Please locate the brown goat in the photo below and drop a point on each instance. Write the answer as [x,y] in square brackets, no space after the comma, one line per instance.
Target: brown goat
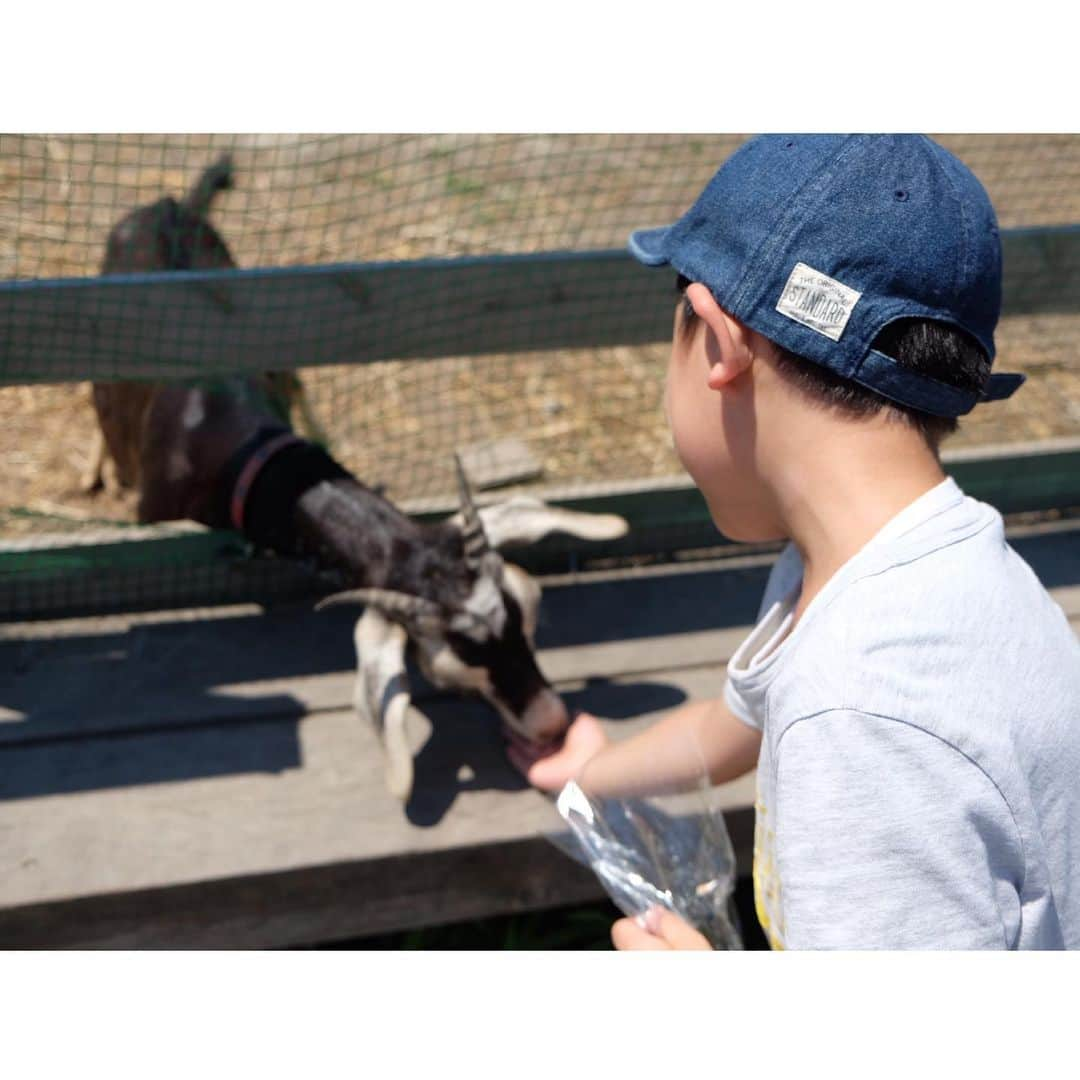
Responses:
[169,235]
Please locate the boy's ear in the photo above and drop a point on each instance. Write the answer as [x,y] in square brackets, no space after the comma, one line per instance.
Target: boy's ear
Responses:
[727,345]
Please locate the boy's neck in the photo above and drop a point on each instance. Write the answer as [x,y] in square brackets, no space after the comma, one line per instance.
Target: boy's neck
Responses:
[834,501]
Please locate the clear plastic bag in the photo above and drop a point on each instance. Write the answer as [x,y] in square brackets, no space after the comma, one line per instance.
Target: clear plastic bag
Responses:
[672,851]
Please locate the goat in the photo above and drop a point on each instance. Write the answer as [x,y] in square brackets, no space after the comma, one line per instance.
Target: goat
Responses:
[169,235]
[222,454]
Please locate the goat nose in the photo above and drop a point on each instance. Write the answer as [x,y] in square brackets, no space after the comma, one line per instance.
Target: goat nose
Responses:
[545,717]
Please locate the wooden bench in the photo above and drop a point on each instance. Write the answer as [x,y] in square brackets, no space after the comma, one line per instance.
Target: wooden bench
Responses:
[198,779]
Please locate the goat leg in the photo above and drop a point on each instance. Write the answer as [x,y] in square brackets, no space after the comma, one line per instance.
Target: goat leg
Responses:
[382,697]
[92,478]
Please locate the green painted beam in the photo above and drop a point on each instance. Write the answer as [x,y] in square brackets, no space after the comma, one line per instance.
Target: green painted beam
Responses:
[196,567]
[185,325]
[1041,270]
[1022,477]
[188,325]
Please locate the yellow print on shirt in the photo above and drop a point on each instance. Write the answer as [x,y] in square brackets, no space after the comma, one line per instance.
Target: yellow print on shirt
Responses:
[766,879]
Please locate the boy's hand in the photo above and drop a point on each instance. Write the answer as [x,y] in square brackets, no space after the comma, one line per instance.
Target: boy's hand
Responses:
[584,738]
[662,930]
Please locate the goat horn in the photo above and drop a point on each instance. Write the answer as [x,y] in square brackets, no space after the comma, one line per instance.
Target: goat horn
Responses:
[386,600]
[474,539]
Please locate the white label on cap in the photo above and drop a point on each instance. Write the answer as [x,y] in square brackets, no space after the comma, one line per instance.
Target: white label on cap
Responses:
[817,300]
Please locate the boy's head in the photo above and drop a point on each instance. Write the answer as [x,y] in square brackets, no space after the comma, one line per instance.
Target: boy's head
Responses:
[859,276]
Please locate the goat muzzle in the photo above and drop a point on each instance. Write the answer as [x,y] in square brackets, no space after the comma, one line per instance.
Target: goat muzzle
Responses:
[544,721]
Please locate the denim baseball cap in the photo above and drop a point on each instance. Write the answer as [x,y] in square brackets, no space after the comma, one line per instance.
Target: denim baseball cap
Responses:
[820,241]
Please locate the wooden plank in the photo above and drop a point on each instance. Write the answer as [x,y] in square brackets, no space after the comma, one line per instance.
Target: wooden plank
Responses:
[107,819]
[147,576]
[175,325]
[498,462]
[319,904]
[289,838]
[264,831]
[310,906]
[171,325]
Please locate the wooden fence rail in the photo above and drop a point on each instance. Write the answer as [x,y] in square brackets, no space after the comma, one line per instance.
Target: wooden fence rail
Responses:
[173,325]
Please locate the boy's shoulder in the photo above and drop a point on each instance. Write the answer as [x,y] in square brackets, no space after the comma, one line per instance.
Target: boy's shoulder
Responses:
[930,626]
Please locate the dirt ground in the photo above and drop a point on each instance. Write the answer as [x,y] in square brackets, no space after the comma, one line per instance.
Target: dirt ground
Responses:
[587,415]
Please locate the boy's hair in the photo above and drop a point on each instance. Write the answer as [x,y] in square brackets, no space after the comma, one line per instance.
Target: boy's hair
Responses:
[925,346]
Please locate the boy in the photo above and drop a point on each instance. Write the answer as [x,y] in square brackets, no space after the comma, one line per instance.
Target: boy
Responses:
[911,694]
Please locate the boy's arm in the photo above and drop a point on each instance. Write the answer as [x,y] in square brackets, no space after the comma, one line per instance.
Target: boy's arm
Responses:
[695,740]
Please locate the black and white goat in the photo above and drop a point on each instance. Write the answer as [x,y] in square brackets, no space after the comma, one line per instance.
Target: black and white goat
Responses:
[221,454]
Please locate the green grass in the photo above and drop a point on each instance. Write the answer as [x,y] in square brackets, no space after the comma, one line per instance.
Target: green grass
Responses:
[379,179]
[462,185]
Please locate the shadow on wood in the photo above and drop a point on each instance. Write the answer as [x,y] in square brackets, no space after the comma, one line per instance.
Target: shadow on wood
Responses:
[130,760]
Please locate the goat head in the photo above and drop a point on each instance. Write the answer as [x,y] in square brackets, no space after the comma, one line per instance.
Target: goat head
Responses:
[482,642]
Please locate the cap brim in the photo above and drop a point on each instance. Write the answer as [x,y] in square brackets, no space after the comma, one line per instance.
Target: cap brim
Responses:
[647,246]
[1002,385]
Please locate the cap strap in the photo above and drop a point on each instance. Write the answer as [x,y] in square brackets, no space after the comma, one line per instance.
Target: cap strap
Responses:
[883,375]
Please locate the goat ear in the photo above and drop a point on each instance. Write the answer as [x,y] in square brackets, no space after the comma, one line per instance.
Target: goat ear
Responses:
[382,696]
[524,520]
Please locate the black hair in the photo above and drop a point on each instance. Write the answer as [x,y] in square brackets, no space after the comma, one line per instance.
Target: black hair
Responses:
[926,346]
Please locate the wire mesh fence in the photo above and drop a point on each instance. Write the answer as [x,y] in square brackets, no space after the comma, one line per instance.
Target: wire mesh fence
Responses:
[588,414]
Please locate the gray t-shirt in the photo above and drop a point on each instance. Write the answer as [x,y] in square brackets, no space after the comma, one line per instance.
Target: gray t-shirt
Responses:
[919,777]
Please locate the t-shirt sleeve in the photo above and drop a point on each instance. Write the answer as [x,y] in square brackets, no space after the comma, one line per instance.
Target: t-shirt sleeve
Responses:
[887,837]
